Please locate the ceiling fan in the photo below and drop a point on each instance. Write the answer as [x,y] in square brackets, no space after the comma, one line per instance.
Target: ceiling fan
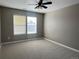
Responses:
[42,4]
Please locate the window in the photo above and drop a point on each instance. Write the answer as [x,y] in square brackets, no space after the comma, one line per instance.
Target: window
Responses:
[19,24]
[31,25]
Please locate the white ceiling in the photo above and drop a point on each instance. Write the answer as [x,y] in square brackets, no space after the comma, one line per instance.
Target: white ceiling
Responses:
[22,4]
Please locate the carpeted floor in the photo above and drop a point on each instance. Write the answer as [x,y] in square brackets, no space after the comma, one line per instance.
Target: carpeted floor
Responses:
[37,49]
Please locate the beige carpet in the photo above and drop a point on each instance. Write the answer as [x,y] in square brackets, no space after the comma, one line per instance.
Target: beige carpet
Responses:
[37,49]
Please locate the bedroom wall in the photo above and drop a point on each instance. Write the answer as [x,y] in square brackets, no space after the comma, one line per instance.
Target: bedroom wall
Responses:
[0,25]
[7,24]
[63,26]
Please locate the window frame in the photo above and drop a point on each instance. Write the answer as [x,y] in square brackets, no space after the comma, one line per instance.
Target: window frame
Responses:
[35,25]
[14,24]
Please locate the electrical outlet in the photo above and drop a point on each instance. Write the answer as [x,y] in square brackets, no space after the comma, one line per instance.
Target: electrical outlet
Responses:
[8,37]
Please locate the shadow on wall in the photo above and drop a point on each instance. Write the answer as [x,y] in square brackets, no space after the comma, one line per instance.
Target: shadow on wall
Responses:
[62,26]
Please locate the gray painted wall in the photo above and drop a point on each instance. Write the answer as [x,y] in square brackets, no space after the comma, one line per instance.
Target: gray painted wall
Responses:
[0,25]
[63,26]
[7,24]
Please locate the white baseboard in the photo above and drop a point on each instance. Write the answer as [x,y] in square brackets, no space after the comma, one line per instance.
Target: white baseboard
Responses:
[57,43]
[13,42]
[17,41]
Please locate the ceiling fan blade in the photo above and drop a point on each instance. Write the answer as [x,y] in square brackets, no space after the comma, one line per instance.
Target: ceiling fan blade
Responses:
[41,1]
[31,4]
[47,3]
[44,7]
[36,7]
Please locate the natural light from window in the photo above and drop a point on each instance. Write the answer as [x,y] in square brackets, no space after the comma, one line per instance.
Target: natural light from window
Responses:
[31,25]
[19,24]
